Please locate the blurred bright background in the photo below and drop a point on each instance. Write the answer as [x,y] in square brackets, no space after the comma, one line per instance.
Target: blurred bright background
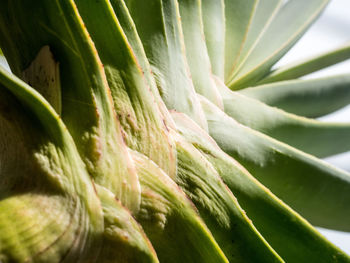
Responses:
[330,31]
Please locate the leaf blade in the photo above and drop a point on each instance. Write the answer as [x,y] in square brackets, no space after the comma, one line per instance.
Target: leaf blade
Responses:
[266,53]
[317,138]
[287,232]
[309,65]
[324,186]
[309,98]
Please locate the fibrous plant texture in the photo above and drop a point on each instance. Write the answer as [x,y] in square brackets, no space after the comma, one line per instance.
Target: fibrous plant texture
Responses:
[159,131]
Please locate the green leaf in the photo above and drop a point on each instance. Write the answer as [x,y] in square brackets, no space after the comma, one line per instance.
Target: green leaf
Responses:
[123,238]
[129,29]
[292,175]
[238,17]
[294,239]
[144,126]
[289,24]
[309,65]
[314,137]
[264,13]
[196,50]
[158,21]
[85,91]
[213,15]
[170,221]
[310,98]
[48,207]
[232,229]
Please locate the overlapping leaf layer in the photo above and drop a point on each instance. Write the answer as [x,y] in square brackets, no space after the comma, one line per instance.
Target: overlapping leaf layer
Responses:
[159,131]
